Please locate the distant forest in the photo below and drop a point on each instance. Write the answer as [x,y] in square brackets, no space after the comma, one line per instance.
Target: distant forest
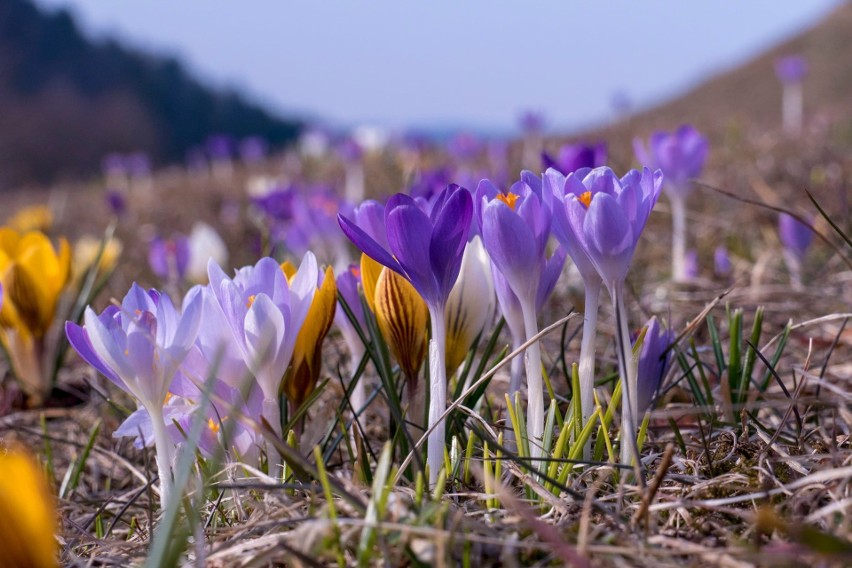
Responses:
[66,100]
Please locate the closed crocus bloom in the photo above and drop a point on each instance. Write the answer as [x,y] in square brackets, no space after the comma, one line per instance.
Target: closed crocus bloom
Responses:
[681,156]
[34,275]
[471,303]
[572,157]
[86,251]
[604,218]
[796,237]
[264,314]
[654,361]
[426,248]
[204,243]
[304,370]
[28,524]
[401,314]
[139,346]
[169,258]
[515,227]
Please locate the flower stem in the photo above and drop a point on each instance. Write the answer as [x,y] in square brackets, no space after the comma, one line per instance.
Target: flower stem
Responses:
[587,349]
[627,370]
[678,205]
[516,367]
[163,447]
[272,413]
[535,388]
[437,394]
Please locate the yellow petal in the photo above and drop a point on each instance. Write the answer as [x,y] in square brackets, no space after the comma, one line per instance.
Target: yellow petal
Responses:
[402,316]
[370,270]
[289,270]
[304,370]
[27,513]
[32,218]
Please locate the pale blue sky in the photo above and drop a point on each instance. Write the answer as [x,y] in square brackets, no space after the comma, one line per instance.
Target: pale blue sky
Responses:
[437,63]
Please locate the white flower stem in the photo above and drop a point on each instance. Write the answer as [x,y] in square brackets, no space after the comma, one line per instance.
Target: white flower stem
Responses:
[272,413]
[437,394]
[792,107]
[587,349]
[627,370]
[163,446]
[678,205]
[516,369]
[535,388]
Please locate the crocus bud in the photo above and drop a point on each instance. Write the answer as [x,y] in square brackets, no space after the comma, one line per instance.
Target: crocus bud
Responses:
[471,303]
[204,244]
[302,375]
[401,313]
[653,362]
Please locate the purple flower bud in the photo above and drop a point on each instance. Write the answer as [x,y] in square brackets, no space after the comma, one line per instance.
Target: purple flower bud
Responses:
[721,261]
[791,68]
[795,236]
[572,157]
[116,202]
[169,258]
[532,122]
[653,362]
[680,155]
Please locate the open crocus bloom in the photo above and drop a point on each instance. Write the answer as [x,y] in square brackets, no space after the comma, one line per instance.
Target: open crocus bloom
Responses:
[139,346]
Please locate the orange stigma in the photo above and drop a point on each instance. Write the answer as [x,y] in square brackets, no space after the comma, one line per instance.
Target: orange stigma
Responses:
[509,199]
[586,199]
[250,300]
[213,426]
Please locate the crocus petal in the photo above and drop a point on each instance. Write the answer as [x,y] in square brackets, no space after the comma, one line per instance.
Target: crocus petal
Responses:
[265,333]
[511,244]
[367,244]
[409,236]
[79,340]
[449,238]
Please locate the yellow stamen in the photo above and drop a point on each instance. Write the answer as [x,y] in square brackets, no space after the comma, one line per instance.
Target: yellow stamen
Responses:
[213,426]
[250,301]
[586,199]
[168,394]
[509,199]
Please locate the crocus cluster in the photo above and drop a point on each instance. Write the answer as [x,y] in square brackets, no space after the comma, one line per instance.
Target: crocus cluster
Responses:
[251,337]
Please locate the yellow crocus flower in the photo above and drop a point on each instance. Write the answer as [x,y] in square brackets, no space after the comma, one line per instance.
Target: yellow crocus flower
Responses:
[32,218]
[86,251]
[401,313]
[302,374]
[33,275]
[28,522]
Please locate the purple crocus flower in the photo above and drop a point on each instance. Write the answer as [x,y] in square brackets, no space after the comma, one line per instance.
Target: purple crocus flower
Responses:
[654,361]
[681,156]
[169,258]
[604,218]
[116,202]
[139,347]
[515,228]
[349,150]
[264,314]
[721,261]
[572,157]
[791,68]
[464,146]
[277,205]
[691,265]
[138,165]
[426,249]
[113,165]
[795,235]
[531,121]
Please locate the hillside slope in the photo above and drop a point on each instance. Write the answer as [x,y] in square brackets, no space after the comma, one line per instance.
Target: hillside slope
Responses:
[68,100]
